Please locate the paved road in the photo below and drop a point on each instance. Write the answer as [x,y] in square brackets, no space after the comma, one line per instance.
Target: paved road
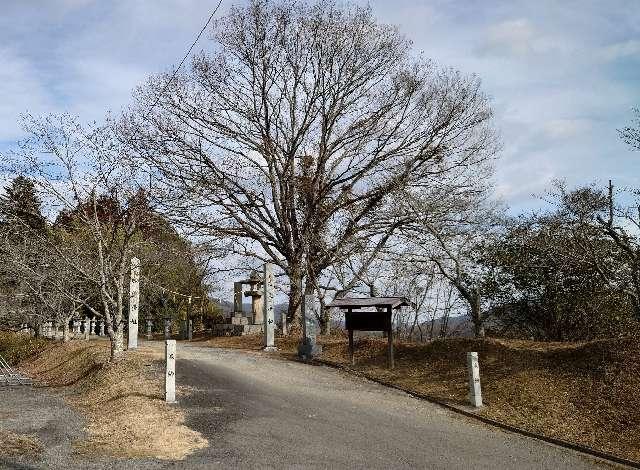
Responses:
[265,413]
[259,412]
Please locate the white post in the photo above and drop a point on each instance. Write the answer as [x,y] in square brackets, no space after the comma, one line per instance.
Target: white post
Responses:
[475,394]
[267,308]
[85,324]
[134,300]
[170,371]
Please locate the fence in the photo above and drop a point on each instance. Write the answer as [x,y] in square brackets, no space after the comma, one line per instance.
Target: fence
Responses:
[9,377]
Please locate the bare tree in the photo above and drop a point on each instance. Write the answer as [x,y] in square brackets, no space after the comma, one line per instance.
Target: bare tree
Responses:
[455,242]
[631,134]
[84,177]
[292,138]
[621,225]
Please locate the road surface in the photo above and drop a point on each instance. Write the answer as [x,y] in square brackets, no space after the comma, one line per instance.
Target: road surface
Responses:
[260,412]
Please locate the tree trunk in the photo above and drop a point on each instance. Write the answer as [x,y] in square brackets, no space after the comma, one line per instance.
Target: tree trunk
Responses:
[65,332]
[117,343]
[325,321]
[294,311]
[476,318]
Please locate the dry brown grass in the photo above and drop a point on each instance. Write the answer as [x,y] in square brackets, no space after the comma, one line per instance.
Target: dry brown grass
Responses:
[18,444]
[586,393]
[17,347]
[123,402]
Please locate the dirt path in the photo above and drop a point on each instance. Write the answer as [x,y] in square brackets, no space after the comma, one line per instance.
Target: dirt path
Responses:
[260,412]
[44,415]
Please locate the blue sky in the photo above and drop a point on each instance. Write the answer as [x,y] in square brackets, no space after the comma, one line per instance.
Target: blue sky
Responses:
[562,75]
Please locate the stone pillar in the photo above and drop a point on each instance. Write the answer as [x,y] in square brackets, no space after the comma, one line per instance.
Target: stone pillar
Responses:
[257,307]
[85,324]
[76,327]
[189,330]
[101,328]
[475,394]
[92,327]
[149,329]
[308,347]
[167,328]
[268,313]
[255,292]
[237,297]
[134,299]
[285,331]
[170,371]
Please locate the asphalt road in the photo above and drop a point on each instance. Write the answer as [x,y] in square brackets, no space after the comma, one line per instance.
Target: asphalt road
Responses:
[260,412]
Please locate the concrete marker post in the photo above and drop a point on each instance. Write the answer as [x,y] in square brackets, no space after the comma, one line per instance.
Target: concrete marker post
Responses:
[268,309]
[170,371]
[473,366]
[134,300]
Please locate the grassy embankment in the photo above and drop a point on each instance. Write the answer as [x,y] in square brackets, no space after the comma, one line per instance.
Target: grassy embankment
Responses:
[587,393]
[123,402]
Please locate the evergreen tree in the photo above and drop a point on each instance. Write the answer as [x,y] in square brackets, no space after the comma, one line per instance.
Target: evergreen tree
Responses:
[20,205]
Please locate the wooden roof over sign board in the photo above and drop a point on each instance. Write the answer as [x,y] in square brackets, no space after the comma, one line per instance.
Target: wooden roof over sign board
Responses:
[358,303]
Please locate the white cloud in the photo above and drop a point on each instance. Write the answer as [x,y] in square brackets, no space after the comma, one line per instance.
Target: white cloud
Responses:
[22,91]
[550,67]
[620,50]
[558,129]
[512,36]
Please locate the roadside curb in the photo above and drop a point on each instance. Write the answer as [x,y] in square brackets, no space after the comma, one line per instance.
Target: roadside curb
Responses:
[498,424]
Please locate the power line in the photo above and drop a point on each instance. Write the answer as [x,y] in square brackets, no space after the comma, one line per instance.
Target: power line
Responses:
[175,72]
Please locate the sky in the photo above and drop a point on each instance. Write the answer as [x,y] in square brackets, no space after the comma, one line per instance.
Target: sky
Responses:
[562,76]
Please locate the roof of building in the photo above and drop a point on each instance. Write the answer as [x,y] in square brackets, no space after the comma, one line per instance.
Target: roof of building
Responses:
[357,303]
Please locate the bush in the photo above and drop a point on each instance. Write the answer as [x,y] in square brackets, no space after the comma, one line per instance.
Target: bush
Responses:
[16,348]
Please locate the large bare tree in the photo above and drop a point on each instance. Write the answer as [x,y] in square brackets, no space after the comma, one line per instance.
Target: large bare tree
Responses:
[89,186]
[290,139]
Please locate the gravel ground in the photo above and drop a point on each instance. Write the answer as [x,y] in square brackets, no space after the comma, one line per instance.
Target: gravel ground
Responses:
[36,411]
[259,412]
